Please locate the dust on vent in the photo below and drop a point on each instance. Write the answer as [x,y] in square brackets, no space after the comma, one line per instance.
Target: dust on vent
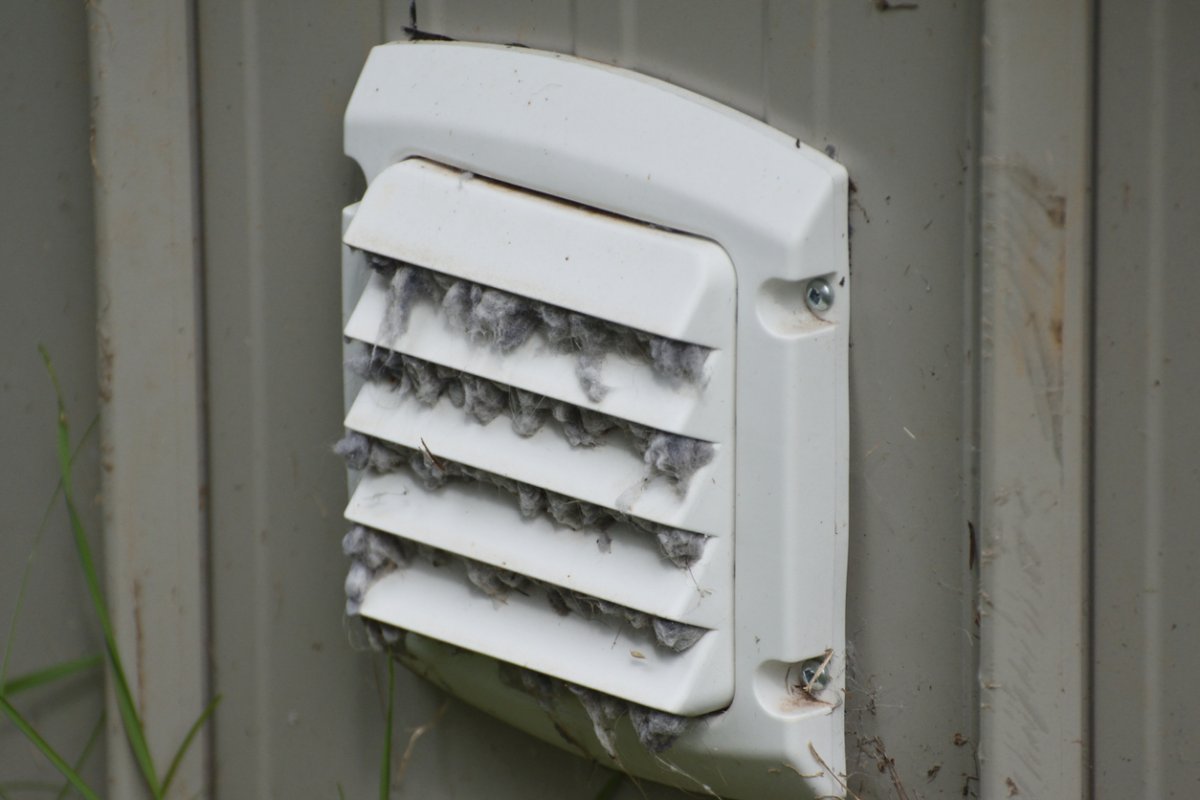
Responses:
[578,355]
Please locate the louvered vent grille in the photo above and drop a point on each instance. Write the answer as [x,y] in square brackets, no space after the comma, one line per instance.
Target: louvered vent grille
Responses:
[545,430]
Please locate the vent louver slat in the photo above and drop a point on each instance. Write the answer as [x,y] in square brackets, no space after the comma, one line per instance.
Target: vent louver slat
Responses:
[526,632]
[608,476]
[537,367]
[444,475]
[485,526]
[534,246]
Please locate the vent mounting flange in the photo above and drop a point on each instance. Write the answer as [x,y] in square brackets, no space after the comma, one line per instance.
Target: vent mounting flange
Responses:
[589,384]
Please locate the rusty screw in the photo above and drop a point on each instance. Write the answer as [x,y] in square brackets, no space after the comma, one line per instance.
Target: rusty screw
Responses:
[819,294]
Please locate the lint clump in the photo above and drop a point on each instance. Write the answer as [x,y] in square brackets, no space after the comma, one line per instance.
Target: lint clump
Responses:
[506,321]
[372,555]
[656,730]
[682,548]
[667,455]
[375,553]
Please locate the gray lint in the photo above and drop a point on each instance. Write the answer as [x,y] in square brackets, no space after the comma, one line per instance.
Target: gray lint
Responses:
[604,711]
[671,456]
[677,457]
[588,369]
[372,556]
[375,553]
[383,637]
[676,635]
[358,580]
[355,450]
[656,730]
[506,321]
[678,361]
[540,687]
[682,548]
[407,285]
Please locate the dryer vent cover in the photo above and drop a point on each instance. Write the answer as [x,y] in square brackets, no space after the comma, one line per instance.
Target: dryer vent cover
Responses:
[597,408]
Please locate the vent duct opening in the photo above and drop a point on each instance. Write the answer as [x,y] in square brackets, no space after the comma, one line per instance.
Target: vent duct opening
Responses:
[582,384]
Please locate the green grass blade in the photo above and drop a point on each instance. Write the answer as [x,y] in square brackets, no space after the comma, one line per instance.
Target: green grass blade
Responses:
[385,769]
[46,750]
[41,677]
[130,721]
[341,792]
[609,790]
[94,737]
[187,742]
[37,540]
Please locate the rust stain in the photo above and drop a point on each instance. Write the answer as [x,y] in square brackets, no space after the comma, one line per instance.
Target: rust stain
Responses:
[1056,210]
[92,153]
[1028,244]
[801,701]
[971,545]
[107,359]
[1056,309]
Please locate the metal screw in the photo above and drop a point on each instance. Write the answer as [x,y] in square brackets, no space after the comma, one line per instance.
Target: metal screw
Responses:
[819,294]
[814,673]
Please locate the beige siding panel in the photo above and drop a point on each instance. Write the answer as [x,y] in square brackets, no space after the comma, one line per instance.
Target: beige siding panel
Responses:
[301,712]
[48,297]
[1035,322]
[1146,701]
[533,23]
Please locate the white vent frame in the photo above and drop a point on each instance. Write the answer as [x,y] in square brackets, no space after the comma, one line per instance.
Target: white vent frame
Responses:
[634,146]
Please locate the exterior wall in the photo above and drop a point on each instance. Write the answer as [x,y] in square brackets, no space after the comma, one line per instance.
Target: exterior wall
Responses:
[891,92]
[48,297]
[1146,608]
[896,94]
[1034,449]
[302,712]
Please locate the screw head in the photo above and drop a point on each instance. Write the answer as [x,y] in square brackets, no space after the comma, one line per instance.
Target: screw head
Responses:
[814,673]
[819,294]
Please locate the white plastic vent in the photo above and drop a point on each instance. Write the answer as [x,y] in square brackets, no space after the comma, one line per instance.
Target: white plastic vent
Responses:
[590,385]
